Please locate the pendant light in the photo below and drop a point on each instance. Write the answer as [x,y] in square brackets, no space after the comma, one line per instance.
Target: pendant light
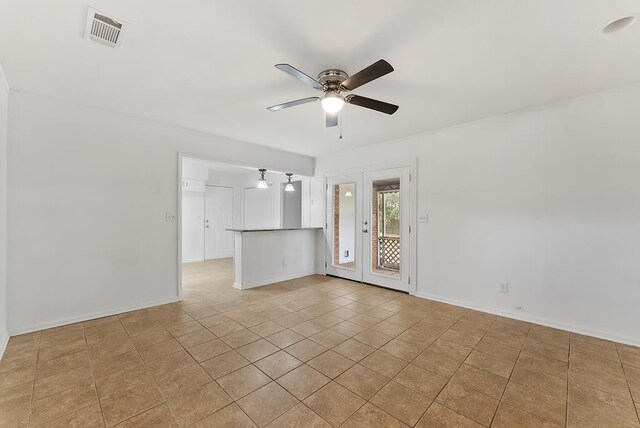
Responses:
[289,187]
[262,183]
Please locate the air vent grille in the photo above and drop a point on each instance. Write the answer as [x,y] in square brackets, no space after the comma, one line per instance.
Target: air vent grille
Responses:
[103,29]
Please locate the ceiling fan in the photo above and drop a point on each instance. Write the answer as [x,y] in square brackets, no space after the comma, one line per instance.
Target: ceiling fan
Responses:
[333,82]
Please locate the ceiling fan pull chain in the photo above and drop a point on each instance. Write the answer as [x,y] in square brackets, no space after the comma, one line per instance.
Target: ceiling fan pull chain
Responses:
[340,117]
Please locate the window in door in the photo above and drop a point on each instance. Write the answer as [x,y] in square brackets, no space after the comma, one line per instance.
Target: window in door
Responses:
[386,227]
[344,225]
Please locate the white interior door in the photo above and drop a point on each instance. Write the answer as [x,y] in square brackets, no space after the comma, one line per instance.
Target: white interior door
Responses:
[218,206]
[192,226]
[368,227]
[386,204]
[344,226]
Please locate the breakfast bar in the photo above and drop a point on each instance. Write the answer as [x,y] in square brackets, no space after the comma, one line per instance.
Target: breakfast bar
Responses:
[275,255]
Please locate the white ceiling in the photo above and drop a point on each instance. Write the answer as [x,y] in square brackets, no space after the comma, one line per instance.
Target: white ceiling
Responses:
[208,65]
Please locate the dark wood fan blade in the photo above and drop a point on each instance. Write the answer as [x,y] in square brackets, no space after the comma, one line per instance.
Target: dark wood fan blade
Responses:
[292,103]
[330,119]
[372,104]
[289,69]
[375,70]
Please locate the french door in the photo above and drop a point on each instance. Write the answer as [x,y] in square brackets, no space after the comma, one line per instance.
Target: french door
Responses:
[368,227]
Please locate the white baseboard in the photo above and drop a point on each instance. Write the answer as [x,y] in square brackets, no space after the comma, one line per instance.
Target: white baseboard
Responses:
[4,341]
[87,317]
[236,285]
[274,280]
[533,319]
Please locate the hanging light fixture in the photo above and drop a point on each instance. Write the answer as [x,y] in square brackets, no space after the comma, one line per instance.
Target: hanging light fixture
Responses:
[262,183]
[289,187]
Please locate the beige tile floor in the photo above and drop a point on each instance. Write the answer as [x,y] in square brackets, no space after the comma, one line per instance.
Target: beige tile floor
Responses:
[315,352]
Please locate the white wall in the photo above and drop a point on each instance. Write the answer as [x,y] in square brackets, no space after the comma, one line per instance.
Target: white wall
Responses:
[271,217]
[547,200]
[291,211]
[4,104]
[88,192]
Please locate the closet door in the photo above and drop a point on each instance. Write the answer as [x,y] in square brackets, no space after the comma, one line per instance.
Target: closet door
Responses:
[218,218]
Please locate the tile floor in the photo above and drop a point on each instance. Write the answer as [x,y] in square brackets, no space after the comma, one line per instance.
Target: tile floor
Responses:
[315,352]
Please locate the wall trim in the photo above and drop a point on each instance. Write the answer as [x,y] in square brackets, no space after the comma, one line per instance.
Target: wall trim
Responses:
[87,317]
[3,343]
[532,319]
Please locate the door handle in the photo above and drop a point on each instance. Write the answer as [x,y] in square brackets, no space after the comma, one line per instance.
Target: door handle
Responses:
[365,231]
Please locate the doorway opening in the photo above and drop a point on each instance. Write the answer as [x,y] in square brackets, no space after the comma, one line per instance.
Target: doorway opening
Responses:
[217,197]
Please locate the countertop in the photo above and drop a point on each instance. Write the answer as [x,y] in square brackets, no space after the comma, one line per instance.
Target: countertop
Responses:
[274,229]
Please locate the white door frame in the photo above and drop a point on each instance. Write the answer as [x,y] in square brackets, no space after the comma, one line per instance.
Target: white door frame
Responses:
[413,208]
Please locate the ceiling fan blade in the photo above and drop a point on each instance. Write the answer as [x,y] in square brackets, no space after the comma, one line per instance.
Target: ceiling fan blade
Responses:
[372,104]
[375,70]
[330,120]
[292,103]
[289,69]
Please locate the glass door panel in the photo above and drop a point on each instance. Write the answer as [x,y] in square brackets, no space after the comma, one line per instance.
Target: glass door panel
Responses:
[344,225]
[344,211]
[385,227]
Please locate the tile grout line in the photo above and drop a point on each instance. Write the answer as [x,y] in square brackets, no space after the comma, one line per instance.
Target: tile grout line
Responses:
[35,373]
[509,380]
[626,378]
[458,369]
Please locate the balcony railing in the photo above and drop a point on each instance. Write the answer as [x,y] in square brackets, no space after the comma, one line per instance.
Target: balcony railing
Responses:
[389,252]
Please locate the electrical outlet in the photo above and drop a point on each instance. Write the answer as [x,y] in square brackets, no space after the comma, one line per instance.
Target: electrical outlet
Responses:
[504,287]
[424,218]
[170,216]
[519,308]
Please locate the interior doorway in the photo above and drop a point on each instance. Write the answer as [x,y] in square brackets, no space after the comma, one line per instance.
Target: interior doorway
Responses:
[369,227]
[217,196]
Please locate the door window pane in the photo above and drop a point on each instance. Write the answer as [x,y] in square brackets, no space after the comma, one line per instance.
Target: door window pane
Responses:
[385,228]
[344,225]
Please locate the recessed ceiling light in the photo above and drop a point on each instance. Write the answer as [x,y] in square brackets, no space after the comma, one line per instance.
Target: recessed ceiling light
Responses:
[618,25]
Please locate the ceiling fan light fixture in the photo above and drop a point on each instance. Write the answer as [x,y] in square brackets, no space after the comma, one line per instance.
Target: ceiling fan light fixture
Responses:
[332,102]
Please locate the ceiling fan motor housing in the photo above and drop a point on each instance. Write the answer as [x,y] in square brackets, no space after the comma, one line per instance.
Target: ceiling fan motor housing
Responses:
[332,78]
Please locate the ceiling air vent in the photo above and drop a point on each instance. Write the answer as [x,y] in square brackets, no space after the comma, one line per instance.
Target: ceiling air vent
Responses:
[104,29]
